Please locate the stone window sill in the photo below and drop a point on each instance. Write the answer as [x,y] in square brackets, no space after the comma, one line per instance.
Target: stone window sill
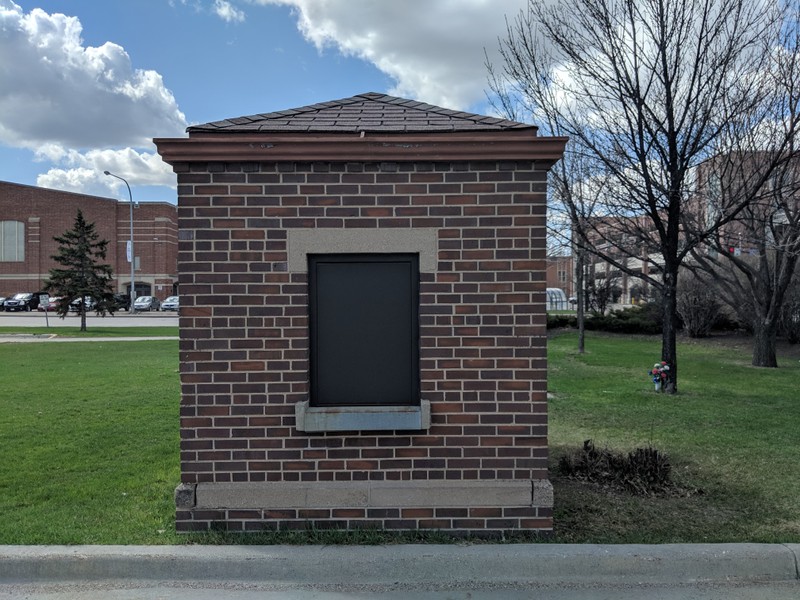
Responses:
[362,418]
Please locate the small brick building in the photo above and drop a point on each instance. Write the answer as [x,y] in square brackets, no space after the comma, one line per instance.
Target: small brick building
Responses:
[31,216]
[362,319]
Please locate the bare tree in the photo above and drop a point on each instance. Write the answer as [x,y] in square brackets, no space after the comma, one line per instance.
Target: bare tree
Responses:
[574,193]
[573,197]
[699,306]
[646,90]
[753,259]
[790,313]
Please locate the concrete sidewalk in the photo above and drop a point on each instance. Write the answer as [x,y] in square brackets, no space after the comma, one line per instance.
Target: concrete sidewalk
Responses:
[13,338]
[430,571]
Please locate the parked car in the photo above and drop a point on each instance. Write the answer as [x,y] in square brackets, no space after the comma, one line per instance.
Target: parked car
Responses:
[3,301]
[88,304]
[51,306]
[146,303]
[122,302]
[21,301]
[171,303]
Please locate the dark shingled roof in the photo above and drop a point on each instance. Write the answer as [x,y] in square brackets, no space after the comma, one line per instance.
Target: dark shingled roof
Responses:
[368,112]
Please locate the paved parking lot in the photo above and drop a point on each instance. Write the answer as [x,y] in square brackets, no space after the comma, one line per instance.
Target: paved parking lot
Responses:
[119,319]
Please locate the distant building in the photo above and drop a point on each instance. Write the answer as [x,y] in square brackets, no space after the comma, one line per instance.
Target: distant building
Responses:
[560,274]
[31,216]
[718,186]
[621,238]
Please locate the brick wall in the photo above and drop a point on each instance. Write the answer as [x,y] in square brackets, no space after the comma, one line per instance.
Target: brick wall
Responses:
[47,213]
[244,341]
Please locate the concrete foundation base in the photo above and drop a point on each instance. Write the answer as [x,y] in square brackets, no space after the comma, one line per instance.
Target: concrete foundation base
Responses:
[461,505]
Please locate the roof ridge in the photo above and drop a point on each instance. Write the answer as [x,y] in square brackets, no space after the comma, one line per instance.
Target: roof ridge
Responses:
[361,113]
[427,107]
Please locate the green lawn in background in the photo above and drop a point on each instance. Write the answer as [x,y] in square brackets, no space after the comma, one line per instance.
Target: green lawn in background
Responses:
[89,439]
[733,435]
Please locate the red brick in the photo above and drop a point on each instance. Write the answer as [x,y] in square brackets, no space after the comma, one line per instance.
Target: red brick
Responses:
[485,381]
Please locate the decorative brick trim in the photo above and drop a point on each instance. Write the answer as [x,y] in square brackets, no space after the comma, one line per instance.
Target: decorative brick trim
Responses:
[507,146]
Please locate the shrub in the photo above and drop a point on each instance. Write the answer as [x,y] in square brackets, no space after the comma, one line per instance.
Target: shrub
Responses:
[698,307]
[600,293]
[643,471]
[647,470]
[789,323]
[560,321]
[644,319]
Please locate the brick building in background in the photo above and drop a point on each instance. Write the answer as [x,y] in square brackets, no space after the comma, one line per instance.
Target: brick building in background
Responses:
[560,274]
[363,329]
[31,216]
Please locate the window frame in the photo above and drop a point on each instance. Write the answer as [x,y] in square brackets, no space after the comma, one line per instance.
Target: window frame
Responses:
[412,352]
[18,244]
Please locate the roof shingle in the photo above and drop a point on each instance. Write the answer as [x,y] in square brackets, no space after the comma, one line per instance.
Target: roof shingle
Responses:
[370,112]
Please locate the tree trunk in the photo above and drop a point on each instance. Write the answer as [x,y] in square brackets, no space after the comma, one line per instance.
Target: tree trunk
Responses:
[580,295]
[765,332]
[83,316]
[669,331]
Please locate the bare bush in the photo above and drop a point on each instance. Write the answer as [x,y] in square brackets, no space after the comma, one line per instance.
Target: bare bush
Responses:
[698,307]
[789,325]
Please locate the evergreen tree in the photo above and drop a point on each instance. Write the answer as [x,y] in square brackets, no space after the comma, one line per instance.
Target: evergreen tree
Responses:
[83,275]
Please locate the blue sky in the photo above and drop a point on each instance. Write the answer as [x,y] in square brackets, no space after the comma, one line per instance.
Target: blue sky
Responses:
[86,84]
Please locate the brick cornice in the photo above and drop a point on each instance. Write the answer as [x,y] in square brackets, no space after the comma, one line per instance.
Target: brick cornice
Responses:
[458,146]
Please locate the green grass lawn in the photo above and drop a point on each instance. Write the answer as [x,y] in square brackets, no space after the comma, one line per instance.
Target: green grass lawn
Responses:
[732,433]
[89,439]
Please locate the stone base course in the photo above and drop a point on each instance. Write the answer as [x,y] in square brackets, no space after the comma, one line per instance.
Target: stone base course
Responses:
[453,506]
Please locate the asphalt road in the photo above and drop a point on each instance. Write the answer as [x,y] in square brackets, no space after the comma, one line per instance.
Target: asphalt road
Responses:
[119,319]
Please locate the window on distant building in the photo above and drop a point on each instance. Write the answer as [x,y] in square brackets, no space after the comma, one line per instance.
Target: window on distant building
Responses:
[12,241]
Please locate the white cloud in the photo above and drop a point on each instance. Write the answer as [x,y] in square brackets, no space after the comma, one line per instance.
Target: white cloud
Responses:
[227,12]
[83,172]
[63,100]
[82,180]
[433,49]
[57,91]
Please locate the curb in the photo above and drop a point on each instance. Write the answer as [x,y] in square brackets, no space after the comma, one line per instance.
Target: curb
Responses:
[518,563]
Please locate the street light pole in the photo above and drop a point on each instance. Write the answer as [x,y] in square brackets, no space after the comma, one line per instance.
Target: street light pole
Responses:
[133,254]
